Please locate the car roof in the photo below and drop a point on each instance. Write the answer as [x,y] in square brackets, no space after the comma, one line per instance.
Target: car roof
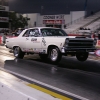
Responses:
[44,27]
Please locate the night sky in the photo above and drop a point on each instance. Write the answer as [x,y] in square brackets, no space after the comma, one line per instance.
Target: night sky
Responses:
[53,6]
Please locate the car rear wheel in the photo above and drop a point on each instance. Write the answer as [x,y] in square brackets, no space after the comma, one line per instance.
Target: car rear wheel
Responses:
[54,55]
[18,52]
[82,56]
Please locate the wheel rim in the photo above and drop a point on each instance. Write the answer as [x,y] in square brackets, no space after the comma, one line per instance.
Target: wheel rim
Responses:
[54,54]
[16,51]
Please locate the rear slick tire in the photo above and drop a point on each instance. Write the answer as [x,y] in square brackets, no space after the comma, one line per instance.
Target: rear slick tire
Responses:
[18,52]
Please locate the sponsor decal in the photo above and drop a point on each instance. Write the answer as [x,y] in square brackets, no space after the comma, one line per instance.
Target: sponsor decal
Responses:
[57,17]
[60,44]
[53,21]
[97,52]
[36,50]
[25,49]
[43,41]
[31,49]
[34,40]
[42,52]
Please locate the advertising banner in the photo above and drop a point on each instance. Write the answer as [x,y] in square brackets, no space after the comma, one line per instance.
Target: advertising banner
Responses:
[53,21]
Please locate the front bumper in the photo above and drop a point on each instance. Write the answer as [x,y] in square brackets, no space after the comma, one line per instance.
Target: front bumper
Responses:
[65,49]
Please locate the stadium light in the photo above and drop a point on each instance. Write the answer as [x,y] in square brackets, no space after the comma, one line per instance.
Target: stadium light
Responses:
[85,7]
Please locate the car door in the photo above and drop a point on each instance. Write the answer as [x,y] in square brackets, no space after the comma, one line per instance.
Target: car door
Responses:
[22,40]
[33,43]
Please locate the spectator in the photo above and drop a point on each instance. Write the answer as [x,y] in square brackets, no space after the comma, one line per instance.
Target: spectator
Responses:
[65,26]
[94,35]
[4,37]
[99,35]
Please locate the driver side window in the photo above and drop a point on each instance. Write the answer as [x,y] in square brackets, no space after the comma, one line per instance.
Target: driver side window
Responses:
[32,33]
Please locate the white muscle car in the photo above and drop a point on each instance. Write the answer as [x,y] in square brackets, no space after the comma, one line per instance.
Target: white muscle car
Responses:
[51,44]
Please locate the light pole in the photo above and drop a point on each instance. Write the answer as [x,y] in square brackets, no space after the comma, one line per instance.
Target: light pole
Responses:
[42,7]
[85,6]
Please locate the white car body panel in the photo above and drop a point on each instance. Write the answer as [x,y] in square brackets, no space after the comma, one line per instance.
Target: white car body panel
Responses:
[37,46]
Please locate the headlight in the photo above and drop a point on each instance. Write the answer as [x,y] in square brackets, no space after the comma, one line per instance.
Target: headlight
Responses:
[66,42]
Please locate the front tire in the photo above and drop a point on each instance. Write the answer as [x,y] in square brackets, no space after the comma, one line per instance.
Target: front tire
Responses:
[82,56]
[18,52]
[54,55]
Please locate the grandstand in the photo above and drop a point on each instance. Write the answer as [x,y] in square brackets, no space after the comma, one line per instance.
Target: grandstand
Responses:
[92,22]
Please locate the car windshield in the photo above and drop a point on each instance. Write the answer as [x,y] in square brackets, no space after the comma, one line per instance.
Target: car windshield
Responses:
[53,32]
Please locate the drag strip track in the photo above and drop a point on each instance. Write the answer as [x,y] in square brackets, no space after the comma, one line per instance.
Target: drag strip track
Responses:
[71,76]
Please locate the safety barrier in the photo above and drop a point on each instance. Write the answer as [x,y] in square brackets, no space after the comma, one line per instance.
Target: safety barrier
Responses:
[98,44]
[2,40]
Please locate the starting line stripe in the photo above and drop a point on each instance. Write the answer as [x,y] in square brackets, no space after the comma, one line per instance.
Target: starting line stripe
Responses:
[49,92]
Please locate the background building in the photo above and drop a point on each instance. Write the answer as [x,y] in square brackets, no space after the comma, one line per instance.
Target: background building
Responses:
[59,20]
[4,17]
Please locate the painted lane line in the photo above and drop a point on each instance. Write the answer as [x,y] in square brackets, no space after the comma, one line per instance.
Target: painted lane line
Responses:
[49,92]
[46,85]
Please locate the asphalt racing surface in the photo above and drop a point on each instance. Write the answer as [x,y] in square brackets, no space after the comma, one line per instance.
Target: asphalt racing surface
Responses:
[70,78]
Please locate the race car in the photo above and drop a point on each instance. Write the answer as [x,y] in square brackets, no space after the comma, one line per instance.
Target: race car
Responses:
[50,43]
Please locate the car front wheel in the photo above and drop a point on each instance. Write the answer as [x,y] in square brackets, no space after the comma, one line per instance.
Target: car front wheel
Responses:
[18,52]
[82,56]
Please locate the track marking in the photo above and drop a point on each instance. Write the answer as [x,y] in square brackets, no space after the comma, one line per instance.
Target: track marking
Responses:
[46,85]
[49,92]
